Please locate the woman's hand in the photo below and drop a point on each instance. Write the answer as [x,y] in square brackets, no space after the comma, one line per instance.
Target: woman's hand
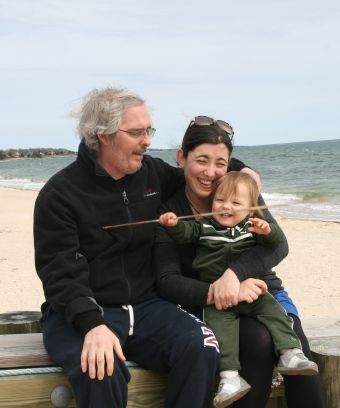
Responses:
[210,298]
[225,290]
[254,175]
[251,289]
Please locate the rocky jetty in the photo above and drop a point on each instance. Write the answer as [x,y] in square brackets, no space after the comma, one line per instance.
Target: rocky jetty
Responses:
[33,153]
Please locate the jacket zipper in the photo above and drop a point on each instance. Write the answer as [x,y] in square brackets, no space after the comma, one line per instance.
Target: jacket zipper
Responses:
[126,202]
[125,198]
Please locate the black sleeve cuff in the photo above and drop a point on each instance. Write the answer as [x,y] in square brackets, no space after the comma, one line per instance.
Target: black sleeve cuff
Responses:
[84,322]
[79,306]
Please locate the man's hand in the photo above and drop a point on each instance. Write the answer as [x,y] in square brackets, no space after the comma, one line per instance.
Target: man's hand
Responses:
[251,289]
[226,290]
[260,226]
[99,347]
[168,219]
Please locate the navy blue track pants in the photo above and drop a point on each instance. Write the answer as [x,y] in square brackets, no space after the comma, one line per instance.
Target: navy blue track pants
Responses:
[165,338]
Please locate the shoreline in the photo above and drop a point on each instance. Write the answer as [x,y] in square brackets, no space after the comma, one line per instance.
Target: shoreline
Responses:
[310,273]
[280,217]
[34,152]
[47,156]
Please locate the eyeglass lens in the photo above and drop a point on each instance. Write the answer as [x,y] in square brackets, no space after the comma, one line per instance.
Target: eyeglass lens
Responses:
[140,132]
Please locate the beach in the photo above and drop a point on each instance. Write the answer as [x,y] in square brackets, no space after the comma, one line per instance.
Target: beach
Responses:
[310,273]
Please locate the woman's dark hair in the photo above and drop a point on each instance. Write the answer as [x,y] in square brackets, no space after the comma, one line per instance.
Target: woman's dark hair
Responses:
[196,135]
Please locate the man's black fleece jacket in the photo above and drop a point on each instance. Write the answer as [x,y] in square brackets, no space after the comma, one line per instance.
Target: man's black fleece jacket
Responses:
[82,265]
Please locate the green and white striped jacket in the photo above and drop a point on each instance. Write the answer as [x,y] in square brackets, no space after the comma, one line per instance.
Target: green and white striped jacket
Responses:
[217,244]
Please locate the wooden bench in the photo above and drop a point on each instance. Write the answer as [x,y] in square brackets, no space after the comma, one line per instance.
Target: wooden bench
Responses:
[146,388]
[25,351]
[20,351]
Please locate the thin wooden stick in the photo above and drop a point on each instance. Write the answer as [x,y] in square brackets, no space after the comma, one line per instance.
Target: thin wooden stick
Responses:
[183,217]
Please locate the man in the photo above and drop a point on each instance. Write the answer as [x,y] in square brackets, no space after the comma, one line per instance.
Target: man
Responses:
[101,307]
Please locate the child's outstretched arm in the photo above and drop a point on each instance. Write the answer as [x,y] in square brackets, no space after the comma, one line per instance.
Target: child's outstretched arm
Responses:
[260,226]
[168,219]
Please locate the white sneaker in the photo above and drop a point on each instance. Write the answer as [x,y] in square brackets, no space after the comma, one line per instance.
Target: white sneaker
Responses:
[294,362]
[230,390]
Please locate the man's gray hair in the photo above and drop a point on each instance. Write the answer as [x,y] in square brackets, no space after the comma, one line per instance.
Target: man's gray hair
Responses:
[101,113]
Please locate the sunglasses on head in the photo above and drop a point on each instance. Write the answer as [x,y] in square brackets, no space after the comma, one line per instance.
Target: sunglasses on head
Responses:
[207,121]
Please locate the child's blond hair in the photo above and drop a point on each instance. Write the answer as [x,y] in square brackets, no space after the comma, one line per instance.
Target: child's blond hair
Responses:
[227,185]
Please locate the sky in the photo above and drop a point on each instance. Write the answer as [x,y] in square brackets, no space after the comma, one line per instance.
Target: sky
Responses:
[270,68]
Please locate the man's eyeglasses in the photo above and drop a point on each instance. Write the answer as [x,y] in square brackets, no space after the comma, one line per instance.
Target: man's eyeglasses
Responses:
[207,121]
[136,133]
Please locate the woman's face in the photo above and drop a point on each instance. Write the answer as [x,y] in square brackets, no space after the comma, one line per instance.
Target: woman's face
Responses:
[206,163]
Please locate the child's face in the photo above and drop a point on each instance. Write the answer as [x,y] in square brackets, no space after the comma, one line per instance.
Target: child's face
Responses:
[230,206]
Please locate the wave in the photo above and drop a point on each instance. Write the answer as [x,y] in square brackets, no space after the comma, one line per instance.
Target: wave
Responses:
[280,198]
[318,206]
[320,196]
[21,184]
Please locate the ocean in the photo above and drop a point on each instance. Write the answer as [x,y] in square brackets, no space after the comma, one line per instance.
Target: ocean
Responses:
[299,180]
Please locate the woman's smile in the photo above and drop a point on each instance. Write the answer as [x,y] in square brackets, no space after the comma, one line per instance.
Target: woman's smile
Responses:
[205,182]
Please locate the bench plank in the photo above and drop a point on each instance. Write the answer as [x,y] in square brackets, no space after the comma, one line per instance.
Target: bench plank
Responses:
[30,390]
[16,351]
[146,389]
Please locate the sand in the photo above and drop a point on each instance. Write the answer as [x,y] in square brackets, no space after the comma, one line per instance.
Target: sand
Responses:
[310,273]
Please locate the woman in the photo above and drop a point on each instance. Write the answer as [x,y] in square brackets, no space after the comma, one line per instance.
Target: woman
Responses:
[204,157]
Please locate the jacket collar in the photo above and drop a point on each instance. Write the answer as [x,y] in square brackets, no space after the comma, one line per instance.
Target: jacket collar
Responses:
[87,159]
[238,229]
